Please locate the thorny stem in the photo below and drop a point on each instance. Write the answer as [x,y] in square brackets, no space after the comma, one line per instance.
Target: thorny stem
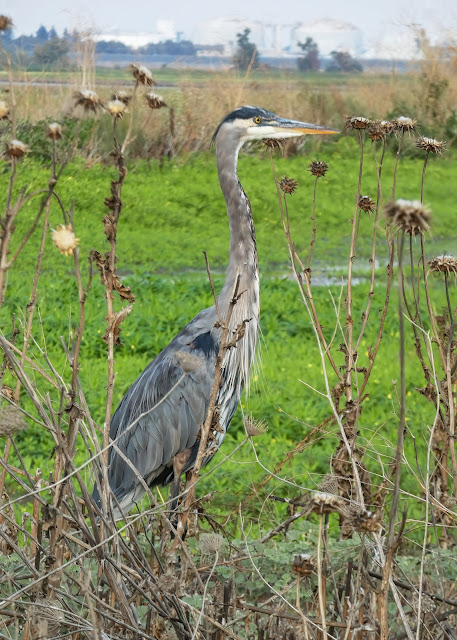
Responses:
[313,240]
[349,319]
[402,423]
[304,276]
[423,177]
[397,157]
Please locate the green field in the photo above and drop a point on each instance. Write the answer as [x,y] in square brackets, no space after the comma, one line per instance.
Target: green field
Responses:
[175,211]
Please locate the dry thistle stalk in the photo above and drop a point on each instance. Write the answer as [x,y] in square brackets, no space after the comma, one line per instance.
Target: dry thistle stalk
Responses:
[116,108]
[64,239]
[271,143]
[404,124]
[87,99]
[11,420]
[123,96]
[4,110]
[318,168]
[15,149]
[408,215]
[376,131]
[141,74]
[366,204]
[5,23]
[443,264]
[155,101]
[288,185]
[303,565]
[430,145]
[357,122]
[254,427]
[54,131]
[211,543]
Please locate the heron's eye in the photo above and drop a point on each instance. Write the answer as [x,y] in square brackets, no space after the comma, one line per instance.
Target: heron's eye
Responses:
[257,119]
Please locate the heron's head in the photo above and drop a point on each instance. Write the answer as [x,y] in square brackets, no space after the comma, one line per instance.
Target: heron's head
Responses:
[253,123]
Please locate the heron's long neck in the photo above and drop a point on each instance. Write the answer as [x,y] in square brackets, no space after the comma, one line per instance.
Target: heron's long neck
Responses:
[243,249]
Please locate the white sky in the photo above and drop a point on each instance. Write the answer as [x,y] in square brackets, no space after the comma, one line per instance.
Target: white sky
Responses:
[376,18]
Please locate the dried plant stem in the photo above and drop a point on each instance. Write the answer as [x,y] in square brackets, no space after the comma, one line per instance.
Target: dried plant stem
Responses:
[321,579]
[423,176]
[313,218]
[397,157]
[348,301]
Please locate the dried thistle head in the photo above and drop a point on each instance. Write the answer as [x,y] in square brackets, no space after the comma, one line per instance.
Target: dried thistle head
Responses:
[357,122]
[15,149]
[155,101]
[4,110]
[254,427]
[5,23]
[318,168]
[366,204]
[328,484]
[188,361]
[430,145]
[141,74]
[54,131]
[303,564]
[288,185]
[64,239]
[388,127]
[408,215]
[272,143]
[11,420]
[376,131]
[404,124]
[123,96]
[211,543]
[87,99]
[443,264]
[116,108]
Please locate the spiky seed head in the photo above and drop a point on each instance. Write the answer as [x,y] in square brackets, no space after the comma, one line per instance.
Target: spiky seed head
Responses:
[64,239]
[4,110]
[155,101]
[16,149]
[254,427]
[366,204]
[376,131]
[443,264]
[11,420]
[288,185]
[141,74]
[188,361]
[318,168]
[54,131]
[404,124]
[211,543]
[387,127]
[123,96]
[357,122]
[87,99]
[116,108]
[303,564]
[328,484]
[5,23]
[408,215]
[272,143]
[430,145]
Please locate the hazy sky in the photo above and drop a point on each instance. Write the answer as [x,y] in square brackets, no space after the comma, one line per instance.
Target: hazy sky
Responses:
[375,18]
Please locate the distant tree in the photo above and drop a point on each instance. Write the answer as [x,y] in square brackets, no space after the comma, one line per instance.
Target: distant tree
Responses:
[169,47]
[51,52]
[343,61]
[52,33]
[111,46]
[246,55]
[42,35]
[310,59]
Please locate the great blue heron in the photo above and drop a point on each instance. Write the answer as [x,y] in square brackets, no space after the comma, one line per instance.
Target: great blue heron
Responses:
[163,443]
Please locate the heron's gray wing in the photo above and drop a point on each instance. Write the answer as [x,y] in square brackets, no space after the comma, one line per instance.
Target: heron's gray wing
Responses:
[165,421]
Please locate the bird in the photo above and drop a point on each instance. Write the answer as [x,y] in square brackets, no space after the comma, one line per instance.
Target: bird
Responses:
[154,432]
